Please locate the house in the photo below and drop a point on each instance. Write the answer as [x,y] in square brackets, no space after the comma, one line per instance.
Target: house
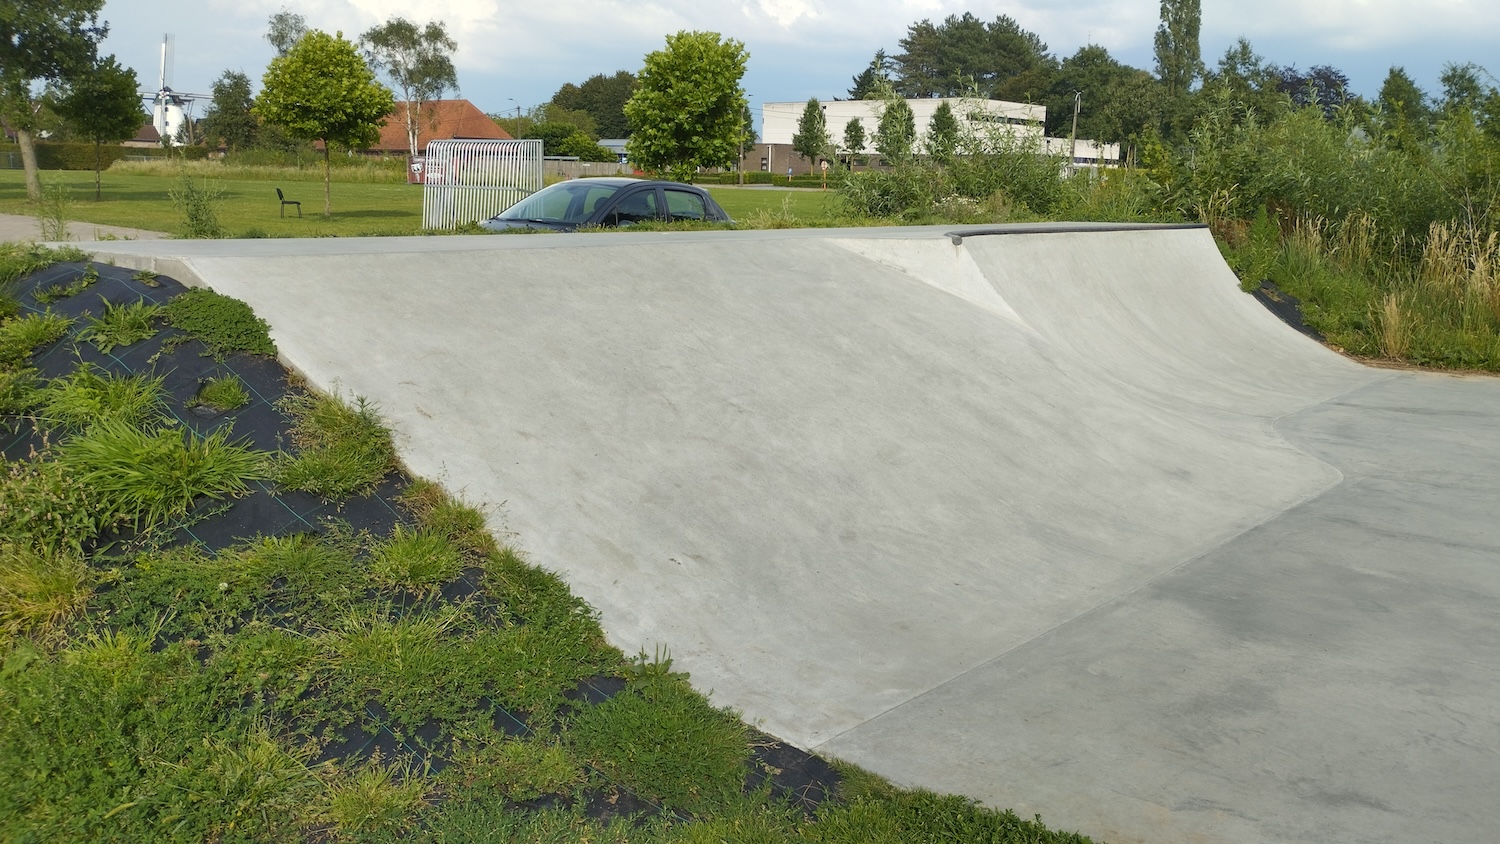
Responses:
[440,120]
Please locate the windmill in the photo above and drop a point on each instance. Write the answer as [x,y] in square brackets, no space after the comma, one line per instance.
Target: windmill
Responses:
[170,110]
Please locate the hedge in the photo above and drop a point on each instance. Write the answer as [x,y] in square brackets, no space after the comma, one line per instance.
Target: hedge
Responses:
[80,156]
[759,177]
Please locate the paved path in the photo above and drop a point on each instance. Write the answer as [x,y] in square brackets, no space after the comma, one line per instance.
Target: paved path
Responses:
[14,227]
[1060,520]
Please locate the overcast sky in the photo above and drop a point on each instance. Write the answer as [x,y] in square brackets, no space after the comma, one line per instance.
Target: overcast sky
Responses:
[520,51]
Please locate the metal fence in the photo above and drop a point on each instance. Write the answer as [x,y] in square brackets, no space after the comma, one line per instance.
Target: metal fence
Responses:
[470,181]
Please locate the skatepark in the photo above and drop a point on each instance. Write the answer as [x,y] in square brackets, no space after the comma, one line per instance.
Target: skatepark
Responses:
[1051,516]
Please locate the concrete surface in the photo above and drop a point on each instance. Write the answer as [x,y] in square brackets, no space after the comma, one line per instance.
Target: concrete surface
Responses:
[1059,520]
[14,227]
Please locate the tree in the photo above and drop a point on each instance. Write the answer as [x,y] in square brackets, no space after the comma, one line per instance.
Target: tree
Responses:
[867,83]
[854,138]
[1462,88]
[1179,58]
[896,131]
[286,29]
[102,105]
[942,133]
[1323,86]
[322,90]
[965,56]
[811,138]
[1119,101]
[603,98]
[418,60]
[1405,107]
[41,42]
[229,118]
[688,108]
[1245,85]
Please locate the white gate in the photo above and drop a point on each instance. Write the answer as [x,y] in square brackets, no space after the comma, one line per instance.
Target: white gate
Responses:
[471,181]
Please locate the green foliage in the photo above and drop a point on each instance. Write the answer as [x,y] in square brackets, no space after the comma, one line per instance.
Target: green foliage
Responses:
[875,811]
[322,90]
[53,292]
[1179,57]
[89,396]
[229,119]
[664,742]
[896,132]
[20,390]
[40,591]
[1119,102]
[418,60]
[518,769]
[686,109]
[603,98]
[440,513]
[146,478]
[811,140]
[18,260]
[62,155]
[854,136]
[416,560]
[199,201]
[47,509]
[374,798]
[964,56]
[20,337]
[342,449]
[224,324]
[227,393]
[52,212]
[121,325]
[102,105]
[942,134]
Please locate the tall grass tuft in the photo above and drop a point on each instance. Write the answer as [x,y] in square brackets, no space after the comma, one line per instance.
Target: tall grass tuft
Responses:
[20,337]
[147,478]
[89,396]
[199,201]
[343,449]
[40,590]
[1394,323]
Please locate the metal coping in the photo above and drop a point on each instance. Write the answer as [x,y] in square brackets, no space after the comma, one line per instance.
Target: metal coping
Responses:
[1071,228]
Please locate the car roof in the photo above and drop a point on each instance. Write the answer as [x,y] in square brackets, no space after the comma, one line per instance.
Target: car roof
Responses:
[621,181]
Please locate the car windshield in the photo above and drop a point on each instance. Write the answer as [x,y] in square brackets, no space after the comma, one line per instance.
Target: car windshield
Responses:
[565,202]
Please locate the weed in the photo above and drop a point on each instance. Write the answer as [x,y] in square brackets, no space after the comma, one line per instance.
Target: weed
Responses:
[149,477]
[199,203]
[46,507]
[146,277]
[440,513]
[343,450]
[39,590]
[227,393]
[52,213]
[20,390]
[416,560]
[121,325]
[1394,326]
[52,293]
[521,770]
[247,781]
[18,260]
[374,798]
[666,743]
[89,396]
[224,324]
[20,337]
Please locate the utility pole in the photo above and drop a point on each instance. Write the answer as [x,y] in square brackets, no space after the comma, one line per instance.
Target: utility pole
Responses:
[1073,138]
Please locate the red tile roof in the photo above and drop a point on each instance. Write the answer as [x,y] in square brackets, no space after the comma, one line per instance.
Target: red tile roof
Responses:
[440,120]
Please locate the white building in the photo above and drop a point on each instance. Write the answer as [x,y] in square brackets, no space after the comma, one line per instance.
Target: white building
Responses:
[779,120]
[1086,153]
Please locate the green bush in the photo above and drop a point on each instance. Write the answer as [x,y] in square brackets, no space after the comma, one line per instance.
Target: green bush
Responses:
[224,324]
[52,155]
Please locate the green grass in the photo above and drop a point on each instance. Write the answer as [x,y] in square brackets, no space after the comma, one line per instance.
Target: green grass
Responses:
[227,393]
[19,337]
[89,396]
[53,292]
[342,449]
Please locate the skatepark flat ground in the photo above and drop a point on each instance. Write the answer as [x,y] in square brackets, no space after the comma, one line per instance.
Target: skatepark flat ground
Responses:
[1056,518]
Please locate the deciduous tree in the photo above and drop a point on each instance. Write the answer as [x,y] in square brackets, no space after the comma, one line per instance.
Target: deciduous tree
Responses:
[323,90]
[285,29]
[687,110]
[603,98]
[897,130]
[811,138]
[229,118]
[419,62]
[1179,56]
[965,56]
[854,138]
[103,105]
[942,133]
[42,42]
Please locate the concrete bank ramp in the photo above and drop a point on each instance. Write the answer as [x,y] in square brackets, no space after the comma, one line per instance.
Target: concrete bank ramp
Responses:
[851,477]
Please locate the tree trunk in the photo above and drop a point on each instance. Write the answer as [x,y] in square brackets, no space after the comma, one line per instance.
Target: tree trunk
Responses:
[413,125]
[28,163]
[98,165]
[327,177]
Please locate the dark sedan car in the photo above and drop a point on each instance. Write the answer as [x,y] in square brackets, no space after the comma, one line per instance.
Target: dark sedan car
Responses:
[567,206]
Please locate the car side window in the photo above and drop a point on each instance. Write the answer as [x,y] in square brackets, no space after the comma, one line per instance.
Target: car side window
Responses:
[633,209]
[682,205]
[594,197]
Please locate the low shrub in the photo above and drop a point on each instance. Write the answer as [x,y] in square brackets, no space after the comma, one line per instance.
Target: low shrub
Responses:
[224,324]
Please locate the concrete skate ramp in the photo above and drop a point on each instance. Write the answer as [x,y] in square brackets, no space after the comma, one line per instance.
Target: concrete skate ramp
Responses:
[961,509]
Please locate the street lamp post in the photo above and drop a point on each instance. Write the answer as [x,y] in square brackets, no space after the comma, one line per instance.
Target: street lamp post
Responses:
[1073,138]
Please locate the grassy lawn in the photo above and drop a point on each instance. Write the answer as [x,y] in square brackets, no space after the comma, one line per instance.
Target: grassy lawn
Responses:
[360,208]
[226,614]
